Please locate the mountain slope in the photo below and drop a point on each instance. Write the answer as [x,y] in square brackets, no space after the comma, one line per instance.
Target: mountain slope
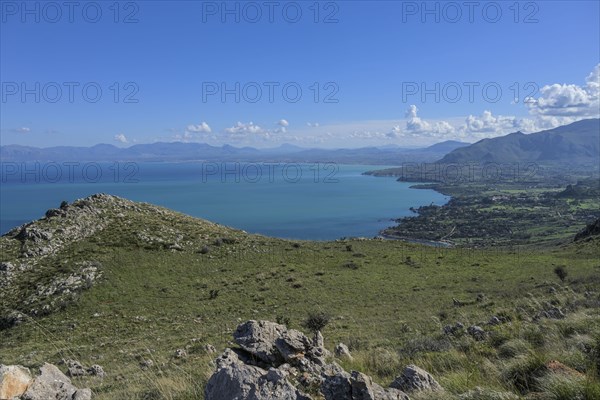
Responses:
[574,143]
[446,146]
[180,151]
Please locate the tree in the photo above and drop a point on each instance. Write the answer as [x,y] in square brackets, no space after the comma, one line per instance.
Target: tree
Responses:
[316,322]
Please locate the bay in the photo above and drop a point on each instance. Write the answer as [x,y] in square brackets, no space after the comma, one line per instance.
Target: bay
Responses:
[296,201]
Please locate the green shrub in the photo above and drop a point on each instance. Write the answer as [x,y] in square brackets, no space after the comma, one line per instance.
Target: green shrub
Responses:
[561,272]
[317,321]
[524,371]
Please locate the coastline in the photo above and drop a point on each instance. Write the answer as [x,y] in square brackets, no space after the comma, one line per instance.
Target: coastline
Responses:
[385,234]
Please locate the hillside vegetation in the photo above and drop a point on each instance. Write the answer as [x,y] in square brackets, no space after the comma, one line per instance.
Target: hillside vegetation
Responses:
[125,285]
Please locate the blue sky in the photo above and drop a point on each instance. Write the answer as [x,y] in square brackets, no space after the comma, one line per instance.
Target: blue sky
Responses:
[369,61]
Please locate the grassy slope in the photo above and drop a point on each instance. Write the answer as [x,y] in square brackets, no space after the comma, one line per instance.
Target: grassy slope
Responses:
[390,309]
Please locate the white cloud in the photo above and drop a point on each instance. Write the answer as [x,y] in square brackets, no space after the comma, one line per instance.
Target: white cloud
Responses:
[367,135]
[395,133]
[283,122]
[121,138]
[416,125]
[202,128]
[22,129]
[312,124]
[487,123]
[244,128]
[569,100]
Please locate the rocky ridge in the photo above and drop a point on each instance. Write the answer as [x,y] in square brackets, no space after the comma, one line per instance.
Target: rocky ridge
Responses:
[37,250]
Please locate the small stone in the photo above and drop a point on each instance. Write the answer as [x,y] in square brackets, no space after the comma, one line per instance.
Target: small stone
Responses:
[209,348]
[180,353]
[75,368]
[476,332]
[96,370]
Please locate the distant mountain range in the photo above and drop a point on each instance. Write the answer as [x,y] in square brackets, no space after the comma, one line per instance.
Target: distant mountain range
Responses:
[179,151]
[575,143]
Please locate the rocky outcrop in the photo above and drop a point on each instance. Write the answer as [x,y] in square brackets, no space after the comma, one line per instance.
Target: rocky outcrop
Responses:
[237,380]
[16,383]
[79,220]
[277,363]
[59,290]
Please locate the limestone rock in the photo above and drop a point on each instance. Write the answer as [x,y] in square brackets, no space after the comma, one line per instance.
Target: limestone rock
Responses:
[274,344]
[258,338]
[239,381]
[96,370]
[75,368]
[342,351]
[414,379]
[180,353]
[274,362]
[363,388]
[476,332]
[336,385]
[14,381]
[53,384]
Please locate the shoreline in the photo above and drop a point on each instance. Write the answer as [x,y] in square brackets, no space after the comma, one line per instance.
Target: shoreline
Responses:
[416,185]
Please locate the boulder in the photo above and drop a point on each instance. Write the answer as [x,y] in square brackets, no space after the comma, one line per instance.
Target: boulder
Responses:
[342,351]
[336,384]
[14,381]
[455,329]
[292,345]
[339,385]
[239,381]
[414,379]
[274,344]
[74,368]
[258,338]
[53,384]
[363,388]
[476,332]
[96,370]
[319,340]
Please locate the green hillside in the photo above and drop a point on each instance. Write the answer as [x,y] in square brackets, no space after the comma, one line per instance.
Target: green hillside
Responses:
[112,282]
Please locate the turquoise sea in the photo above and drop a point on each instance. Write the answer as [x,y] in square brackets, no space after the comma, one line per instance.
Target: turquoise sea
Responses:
[298,201]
